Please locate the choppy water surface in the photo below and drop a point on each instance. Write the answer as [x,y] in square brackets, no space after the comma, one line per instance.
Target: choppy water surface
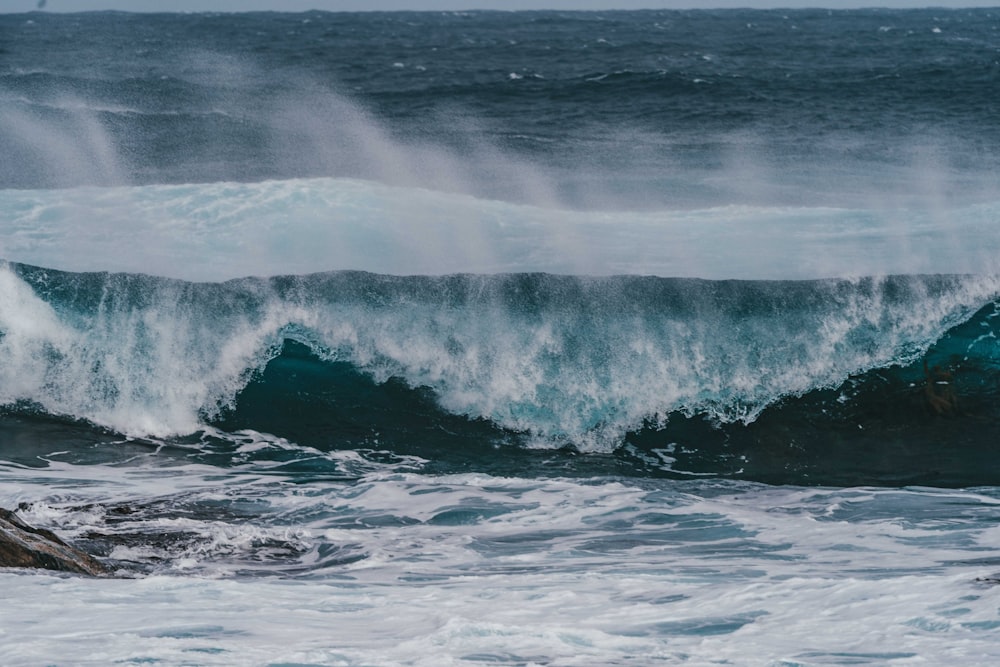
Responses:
[520,338]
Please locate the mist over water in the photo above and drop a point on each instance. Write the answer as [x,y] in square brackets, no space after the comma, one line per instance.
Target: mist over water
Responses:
[723,159]
[633,111]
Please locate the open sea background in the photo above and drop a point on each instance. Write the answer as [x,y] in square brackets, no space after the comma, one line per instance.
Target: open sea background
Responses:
[503,338]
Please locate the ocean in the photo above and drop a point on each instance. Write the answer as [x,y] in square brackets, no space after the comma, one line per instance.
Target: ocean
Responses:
[503,338]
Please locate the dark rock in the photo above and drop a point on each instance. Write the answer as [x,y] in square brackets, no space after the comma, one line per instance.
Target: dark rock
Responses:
[22,545]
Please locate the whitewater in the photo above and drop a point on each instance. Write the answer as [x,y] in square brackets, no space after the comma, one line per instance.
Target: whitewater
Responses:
[503,338]
[220,231]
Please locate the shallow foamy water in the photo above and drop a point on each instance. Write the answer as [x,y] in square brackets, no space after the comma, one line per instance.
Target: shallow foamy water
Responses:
[379,563]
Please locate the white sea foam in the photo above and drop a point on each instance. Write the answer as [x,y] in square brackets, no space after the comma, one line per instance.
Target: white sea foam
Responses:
[465,568]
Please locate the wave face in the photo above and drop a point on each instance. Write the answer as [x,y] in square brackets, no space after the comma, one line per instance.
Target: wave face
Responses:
[348,359]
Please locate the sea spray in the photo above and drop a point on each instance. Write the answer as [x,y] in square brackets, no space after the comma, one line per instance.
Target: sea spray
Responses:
[579,360]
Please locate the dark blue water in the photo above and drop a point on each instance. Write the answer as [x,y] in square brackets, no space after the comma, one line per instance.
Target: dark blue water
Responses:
[826,104]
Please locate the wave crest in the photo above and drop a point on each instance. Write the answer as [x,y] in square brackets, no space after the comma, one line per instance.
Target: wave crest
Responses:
[579,360]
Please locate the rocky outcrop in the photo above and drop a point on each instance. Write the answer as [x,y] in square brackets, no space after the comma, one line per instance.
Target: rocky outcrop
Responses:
[22,545]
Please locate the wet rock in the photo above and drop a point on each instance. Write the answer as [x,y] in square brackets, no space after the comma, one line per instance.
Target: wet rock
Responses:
[22,545]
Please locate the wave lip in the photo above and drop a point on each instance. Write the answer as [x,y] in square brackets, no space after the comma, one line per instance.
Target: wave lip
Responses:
[568,360]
